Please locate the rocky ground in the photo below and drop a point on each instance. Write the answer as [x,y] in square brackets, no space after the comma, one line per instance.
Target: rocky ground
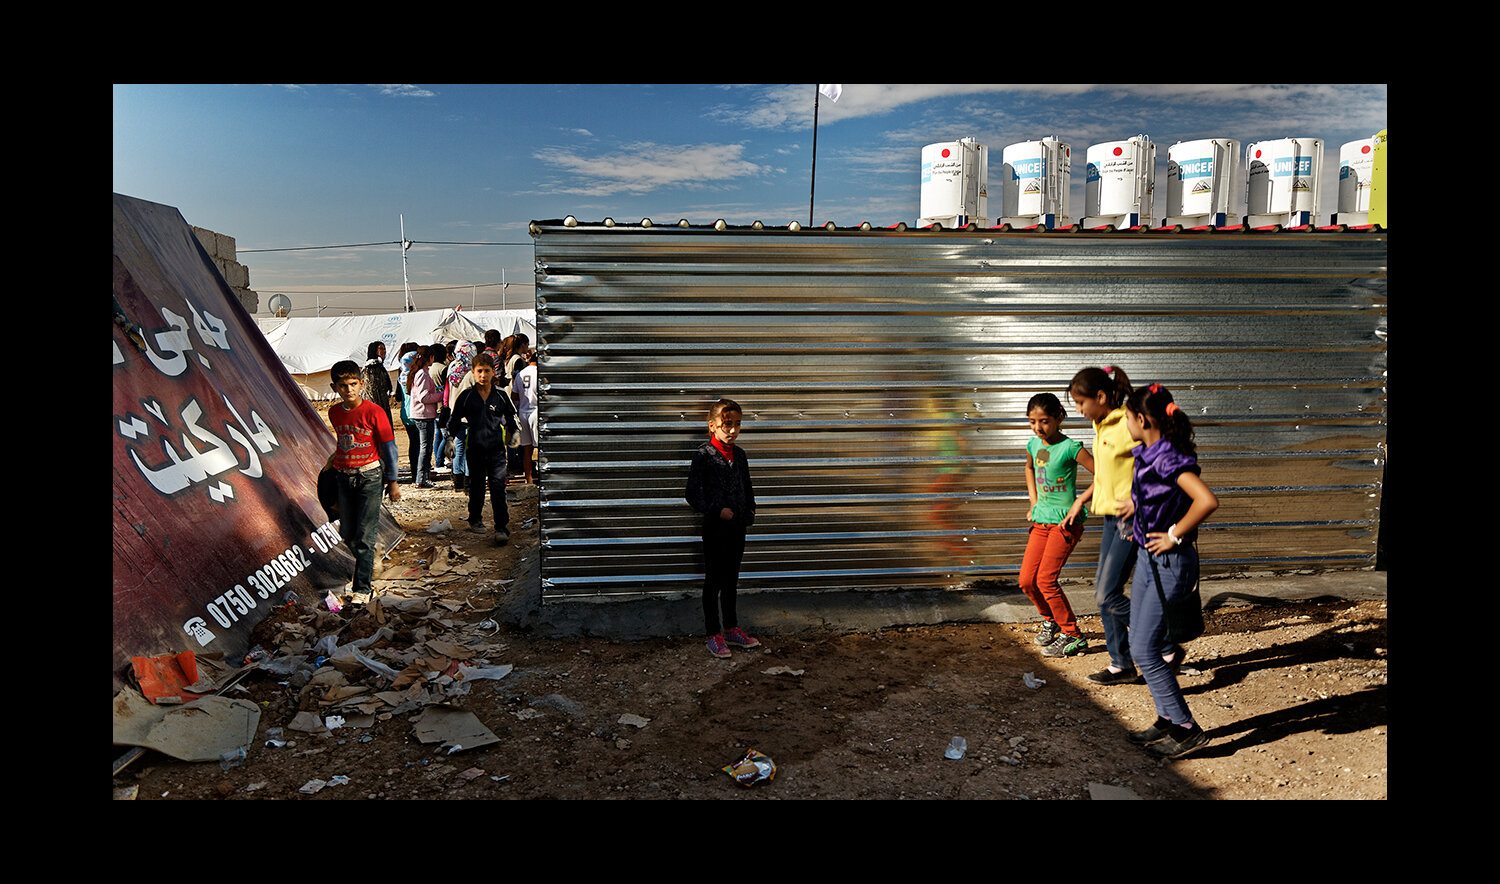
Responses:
[1294,696]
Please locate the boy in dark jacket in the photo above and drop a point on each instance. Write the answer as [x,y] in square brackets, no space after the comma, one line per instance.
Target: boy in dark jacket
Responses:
[719,488]
[485,412]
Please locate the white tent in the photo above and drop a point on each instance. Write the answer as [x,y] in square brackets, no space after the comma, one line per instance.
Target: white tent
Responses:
[309,346]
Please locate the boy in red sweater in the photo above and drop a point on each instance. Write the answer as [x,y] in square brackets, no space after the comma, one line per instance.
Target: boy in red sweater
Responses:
[364,460]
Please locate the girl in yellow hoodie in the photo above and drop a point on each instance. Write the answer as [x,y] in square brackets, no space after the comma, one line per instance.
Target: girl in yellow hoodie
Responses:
[1100,396]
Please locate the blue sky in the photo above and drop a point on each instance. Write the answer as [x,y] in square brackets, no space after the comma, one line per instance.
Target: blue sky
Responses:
[296,166]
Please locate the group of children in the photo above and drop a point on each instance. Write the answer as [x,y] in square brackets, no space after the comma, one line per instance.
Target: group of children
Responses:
[480,417]
[1146,487]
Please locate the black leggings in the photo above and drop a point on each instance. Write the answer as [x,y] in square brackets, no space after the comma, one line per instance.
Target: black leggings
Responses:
[723,550]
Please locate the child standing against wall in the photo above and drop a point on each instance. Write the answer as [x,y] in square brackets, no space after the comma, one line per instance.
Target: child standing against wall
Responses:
[1052,461]
[719,489]
[1171,501]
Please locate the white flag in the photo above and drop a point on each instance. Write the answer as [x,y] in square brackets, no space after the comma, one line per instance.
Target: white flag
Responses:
[832,90]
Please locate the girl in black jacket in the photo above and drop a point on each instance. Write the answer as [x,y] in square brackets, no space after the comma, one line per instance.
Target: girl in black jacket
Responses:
[719,488]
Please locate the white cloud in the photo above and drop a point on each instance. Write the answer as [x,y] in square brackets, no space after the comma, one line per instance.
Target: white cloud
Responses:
[771,107]
[404,90]
[645,166]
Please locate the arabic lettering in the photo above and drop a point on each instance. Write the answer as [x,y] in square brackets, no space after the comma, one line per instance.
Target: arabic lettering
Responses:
[187,464]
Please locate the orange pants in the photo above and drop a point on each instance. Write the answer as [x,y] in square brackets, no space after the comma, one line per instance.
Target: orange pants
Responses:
[1047,550]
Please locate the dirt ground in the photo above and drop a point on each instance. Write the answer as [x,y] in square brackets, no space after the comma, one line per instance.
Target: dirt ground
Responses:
[1293,695]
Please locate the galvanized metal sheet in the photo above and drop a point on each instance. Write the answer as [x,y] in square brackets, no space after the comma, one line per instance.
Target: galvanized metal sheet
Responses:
[885,376]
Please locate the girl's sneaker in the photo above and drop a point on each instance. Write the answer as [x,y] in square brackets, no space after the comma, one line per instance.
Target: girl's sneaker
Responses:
[717,647]
[1047,634]
[738,638]
[1066,646]
[1176,746]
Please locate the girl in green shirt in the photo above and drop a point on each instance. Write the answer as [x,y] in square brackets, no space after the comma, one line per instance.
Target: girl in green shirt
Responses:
[1052,461]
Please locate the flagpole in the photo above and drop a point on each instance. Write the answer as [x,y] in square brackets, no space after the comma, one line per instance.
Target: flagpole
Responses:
[814,188]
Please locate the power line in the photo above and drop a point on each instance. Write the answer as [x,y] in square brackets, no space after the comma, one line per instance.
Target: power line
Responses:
[435,288]
[358,245]
[394,242]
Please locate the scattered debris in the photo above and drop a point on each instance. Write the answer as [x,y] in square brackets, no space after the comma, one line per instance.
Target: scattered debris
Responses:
[466,776]
[783,670]
[752,769]
[634,720]
[203,730]
[1102,792]
[454,729]
[164,680]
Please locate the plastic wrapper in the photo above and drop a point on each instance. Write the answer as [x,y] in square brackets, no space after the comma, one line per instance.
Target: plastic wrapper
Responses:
[752,769]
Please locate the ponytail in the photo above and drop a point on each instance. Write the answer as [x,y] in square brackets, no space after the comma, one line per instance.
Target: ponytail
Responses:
[1111,380]
[1156,403]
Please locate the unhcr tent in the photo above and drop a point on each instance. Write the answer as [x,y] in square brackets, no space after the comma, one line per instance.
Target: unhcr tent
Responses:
[216,456]
[309,346]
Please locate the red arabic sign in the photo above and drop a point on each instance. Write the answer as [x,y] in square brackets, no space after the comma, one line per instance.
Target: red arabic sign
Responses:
[216,455]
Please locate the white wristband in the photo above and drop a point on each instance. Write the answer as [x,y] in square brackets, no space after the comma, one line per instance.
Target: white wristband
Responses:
[1176,541]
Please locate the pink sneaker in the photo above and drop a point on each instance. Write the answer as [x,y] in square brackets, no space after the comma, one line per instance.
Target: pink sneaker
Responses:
[717,647]
[738,638]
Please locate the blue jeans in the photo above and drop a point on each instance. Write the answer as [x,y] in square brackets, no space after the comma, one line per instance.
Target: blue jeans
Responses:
[1177,572]
[1116,558]
[460,462]
[424,453]
[359,519]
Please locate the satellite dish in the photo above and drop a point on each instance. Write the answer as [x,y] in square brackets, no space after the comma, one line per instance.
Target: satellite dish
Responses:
[280,305]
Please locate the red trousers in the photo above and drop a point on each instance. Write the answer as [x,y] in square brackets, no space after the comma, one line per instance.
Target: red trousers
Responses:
[1047,549]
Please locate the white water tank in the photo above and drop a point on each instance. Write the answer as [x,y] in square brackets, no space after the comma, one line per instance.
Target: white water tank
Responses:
[1036,175]
[1356,165]
[1119,179]
[955,184]
[1204,178]
[1284,175]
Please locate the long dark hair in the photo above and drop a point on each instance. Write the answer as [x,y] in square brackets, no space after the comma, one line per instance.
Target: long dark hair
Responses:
[1111,380]
[1163,413]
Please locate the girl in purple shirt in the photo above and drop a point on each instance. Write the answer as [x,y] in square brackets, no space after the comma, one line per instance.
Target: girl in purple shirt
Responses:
[1170,501]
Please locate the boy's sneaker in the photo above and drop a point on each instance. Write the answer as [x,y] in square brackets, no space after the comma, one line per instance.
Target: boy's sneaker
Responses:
[717,647]
[1174,747]
[738,638]
[1047,634]
[478,526]
[1066,646]
[502,537]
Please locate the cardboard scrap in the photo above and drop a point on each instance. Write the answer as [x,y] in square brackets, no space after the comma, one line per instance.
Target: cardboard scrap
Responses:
[307,722]
[204,730]
[456,730]
[449,649]
[1103,792]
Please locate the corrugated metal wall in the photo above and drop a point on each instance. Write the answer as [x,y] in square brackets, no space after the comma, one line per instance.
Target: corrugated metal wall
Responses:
[885,376]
